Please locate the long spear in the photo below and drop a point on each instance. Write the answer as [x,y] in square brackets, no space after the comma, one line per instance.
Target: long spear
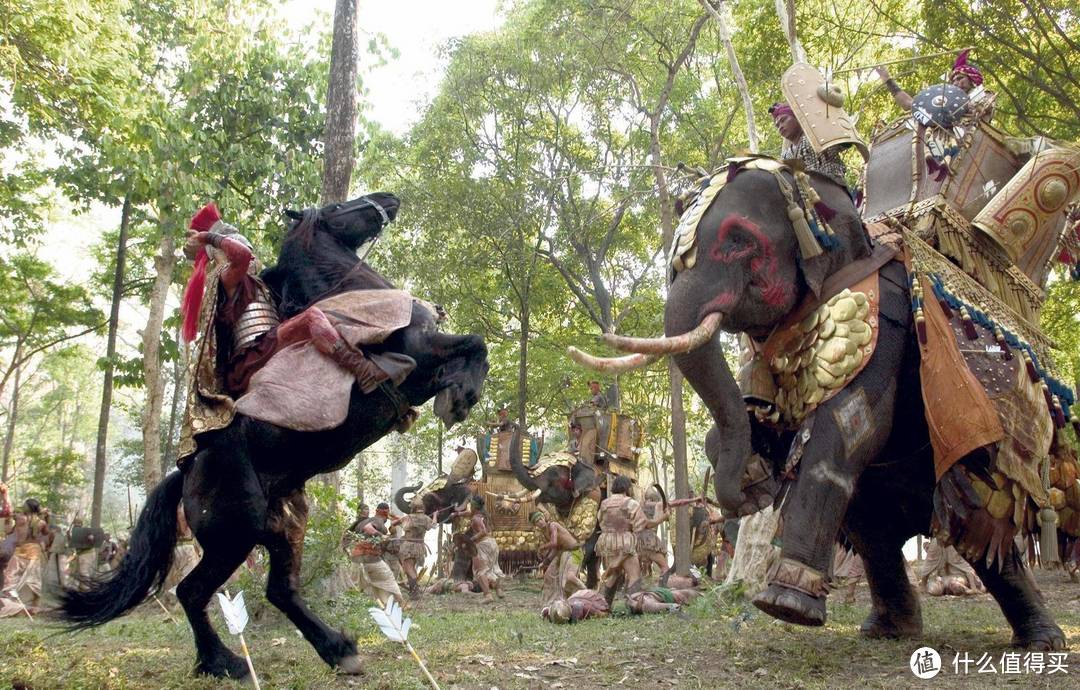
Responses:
[896,62]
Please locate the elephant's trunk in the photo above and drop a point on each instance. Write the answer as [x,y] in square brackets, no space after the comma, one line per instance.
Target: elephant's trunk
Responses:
[686,342]
[705,368]
[518,466]
[399,498]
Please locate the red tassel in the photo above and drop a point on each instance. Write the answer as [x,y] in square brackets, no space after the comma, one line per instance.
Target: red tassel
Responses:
[920,326]
[946,309]
[193,294]
[205,218]
[824,211]
[1065,257]
[969,325]
[1032,374]
[1006,353]
[1049,398]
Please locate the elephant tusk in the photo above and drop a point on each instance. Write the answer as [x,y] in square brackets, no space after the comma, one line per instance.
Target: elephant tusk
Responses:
[610,365]
[686,342]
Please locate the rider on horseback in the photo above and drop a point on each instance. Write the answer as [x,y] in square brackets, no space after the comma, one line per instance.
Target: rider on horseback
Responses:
[233,310]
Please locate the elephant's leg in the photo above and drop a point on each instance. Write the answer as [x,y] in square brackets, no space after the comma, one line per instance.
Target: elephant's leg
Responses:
[895,611]
[1012,587]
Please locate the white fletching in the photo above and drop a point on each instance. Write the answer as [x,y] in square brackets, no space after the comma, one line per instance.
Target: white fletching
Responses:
[390,622]
[234,611]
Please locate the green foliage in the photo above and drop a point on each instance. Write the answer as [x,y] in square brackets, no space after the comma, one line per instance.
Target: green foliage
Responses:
[54,478]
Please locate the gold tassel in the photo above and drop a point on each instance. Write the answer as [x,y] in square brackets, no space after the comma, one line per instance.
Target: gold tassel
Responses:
[808,244]
[1048,540]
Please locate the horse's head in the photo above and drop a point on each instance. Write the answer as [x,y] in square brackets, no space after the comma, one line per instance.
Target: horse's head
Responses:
[352,222]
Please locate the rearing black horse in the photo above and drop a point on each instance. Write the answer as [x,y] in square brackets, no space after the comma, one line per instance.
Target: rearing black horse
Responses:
[244,486]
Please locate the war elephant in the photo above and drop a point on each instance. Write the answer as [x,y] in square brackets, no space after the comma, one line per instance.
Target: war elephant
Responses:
[758,261]
[558,479]
[444,494]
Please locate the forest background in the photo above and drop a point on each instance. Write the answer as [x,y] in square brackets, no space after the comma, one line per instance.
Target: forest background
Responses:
[536,170]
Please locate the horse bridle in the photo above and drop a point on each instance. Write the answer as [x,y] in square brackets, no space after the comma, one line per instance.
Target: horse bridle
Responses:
[357,204]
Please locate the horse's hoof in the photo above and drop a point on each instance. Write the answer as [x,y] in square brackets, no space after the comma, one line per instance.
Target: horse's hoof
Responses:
[234,667]
[890,626]
[791,606]
[1045,637]
[351,665]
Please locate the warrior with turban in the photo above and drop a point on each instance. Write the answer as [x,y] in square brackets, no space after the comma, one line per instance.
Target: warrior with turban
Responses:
[963,75]
[798,147]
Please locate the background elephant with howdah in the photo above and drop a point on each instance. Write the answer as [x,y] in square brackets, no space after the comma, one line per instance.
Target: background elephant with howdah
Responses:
[442,495]
[857,458]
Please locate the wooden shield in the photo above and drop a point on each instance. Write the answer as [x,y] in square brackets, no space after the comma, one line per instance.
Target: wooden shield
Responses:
[818,107]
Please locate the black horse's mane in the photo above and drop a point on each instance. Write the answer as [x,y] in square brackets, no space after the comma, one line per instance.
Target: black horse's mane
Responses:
[313,263]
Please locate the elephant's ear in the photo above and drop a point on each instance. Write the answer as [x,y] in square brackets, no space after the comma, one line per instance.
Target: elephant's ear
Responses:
[815,271]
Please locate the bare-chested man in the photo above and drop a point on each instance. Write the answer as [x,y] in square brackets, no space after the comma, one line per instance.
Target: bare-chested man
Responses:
[620,518]
[31,533]
[486,570]
[413,552]
[557,550]
[582,604]
[660,600]
[652,550]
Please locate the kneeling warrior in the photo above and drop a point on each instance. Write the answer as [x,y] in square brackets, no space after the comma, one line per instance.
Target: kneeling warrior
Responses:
[229,305]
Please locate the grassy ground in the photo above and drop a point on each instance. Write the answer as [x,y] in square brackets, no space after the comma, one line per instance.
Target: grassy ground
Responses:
[716,643]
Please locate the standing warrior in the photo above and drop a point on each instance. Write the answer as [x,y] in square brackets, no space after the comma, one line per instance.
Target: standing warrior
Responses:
[963,75]
[558,552]
[650,547]
[620,519]
[368,541]
[485,563]
[413,552]
[27,561]
[798,147]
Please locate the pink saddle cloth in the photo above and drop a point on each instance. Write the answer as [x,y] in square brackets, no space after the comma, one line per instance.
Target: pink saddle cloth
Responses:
[304,390]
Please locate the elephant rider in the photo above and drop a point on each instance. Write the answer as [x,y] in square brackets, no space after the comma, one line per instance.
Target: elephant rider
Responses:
[582,604]
[365,548]
[558,553]
[620,518]
[485,563]
[413,552]
[24,572]
[502,421]
[660,600]
[797,146]
[651,548]
[963,75]
[244,319]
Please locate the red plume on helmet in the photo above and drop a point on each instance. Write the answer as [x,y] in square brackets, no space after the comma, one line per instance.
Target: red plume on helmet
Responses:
[193,293]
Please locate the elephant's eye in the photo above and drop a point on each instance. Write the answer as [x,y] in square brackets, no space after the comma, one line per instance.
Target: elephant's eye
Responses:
[736,238]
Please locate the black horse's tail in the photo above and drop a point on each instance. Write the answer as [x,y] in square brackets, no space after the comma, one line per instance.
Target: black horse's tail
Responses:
[142,570]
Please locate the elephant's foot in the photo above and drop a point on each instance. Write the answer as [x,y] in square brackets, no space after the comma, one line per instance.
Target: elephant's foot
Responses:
[791,605]
[223,665]
[351,665]
[1043,636]
[891,625]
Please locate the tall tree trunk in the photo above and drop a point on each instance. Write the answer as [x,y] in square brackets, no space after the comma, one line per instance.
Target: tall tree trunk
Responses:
[523,361]
[164,263]
[340,135]
[678,415]
[785,10]
[178,394]
[110,353]
[736,71]
[13,414]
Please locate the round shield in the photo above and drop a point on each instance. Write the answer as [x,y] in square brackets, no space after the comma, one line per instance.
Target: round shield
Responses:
[941,105]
